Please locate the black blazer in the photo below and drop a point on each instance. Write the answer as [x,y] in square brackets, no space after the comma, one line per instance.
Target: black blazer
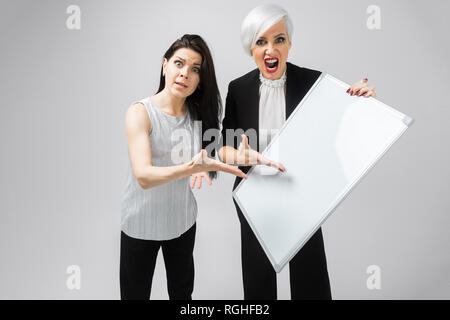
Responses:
[242,103]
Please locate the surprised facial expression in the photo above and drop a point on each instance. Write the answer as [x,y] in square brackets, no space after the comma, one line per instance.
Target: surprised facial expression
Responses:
[182,72]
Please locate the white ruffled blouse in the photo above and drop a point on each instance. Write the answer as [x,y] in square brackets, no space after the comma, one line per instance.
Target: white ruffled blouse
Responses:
[272,108]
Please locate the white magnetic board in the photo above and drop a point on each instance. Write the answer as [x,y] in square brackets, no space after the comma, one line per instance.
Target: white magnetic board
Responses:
[327,145]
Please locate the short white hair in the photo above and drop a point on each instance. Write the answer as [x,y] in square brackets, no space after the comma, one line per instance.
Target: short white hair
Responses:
[259,20]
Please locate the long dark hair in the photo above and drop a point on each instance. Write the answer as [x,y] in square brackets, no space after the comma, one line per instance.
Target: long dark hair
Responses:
[205,103]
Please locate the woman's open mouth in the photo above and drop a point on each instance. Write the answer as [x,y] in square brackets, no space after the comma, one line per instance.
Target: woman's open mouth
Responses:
[271,64]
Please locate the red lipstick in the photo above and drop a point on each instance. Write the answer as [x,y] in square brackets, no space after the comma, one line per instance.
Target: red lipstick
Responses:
[271,64]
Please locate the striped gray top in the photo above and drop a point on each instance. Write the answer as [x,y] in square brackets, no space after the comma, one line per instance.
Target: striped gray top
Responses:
[166,211]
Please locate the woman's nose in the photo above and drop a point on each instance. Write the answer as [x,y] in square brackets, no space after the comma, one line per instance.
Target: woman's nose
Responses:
[269,49]
[184,73]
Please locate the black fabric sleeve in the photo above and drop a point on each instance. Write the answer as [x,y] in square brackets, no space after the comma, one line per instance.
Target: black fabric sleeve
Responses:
[229,120]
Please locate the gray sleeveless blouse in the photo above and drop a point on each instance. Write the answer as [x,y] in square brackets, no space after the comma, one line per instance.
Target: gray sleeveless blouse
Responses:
[166,211]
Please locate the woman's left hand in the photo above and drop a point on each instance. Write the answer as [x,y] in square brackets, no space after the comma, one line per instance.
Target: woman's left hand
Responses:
[197,177]
[361,88]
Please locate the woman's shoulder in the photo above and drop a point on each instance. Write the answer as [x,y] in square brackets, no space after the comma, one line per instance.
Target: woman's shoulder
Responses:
[139,105]
[140,111]
[247,78]
[143,102]
[297,71]
[137,118]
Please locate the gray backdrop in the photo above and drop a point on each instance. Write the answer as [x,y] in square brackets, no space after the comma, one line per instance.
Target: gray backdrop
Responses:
[64,94]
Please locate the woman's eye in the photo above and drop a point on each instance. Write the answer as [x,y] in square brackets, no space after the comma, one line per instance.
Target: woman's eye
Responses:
[178,63]
[196,70]
[260,42]
[279,40]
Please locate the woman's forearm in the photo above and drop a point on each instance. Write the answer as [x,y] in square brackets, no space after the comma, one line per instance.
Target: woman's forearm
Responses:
[152,176]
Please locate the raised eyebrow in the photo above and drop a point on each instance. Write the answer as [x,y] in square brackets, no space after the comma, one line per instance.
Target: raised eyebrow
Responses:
[198,64]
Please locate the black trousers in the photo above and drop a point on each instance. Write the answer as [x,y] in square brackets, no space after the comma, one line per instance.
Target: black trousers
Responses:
[308,269]
[137,264]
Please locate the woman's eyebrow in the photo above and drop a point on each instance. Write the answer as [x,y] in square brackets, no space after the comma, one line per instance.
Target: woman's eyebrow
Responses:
[280,34]
[195,63]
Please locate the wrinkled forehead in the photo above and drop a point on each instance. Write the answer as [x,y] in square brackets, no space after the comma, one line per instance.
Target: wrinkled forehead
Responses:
[188,55]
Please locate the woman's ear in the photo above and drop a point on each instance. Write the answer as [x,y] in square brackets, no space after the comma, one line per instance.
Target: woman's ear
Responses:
[164,66]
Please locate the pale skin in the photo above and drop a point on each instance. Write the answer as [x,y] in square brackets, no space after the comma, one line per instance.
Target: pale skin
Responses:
[273,45]
[182,78]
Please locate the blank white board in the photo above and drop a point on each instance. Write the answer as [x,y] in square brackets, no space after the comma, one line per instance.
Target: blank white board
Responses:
[327,145]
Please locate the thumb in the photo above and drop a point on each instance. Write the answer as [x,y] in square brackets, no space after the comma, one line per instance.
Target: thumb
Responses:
[204,154]
[245,141]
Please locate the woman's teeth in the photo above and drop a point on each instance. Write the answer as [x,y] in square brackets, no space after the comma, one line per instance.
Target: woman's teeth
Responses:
[271,64]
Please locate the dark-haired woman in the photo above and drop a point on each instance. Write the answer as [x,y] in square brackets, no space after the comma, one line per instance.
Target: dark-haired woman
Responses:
[158,208]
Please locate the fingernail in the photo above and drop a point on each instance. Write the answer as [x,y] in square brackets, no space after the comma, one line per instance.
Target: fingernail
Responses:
[348,90]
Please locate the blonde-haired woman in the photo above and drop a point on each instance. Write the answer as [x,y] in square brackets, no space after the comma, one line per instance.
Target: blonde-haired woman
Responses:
[262,100]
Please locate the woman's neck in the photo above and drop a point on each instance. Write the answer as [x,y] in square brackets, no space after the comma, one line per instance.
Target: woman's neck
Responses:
[277,78]
[169,103]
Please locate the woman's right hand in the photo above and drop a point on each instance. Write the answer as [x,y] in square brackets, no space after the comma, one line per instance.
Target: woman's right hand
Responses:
[247,156]
[202,163]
